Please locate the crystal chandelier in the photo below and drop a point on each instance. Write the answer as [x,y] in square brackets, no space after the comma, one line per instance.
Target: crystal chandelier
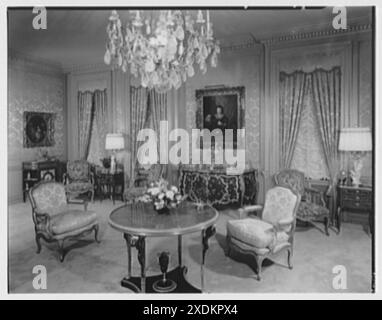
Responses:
[163,48]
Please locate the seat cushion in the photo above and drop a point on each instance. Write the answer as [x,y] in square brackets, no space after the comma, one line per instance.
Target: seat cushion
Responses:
[79,187]
[71,220]
[254,232]
[310,210]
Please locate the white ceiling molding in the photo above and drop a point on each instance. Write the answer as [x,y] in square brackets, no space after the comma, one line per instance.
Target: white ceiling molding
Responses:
[319,34]
[249,43]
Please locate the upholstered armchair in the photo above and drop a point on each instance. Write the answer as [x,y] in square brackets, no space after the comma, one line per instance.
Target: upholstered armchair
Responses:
[142,180]
[270,233]
[79,179]
[313,207]
[54,220]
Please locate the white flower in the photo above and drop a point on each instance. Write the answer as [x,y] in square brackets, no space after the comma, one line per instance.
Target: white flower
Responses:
[149,66]
[170,194]
[158,206]
[161,196]
[174,189]
[154,191]
[173,205]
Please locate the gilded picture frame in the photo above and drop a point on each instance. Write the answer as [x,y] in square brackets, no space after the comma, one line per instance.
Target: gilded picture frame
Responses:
[231,101]
[38,129]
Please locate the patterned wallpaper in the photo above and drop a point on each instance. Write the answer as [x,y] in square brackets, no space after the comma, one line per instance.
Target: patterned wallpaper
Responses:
[30,90]
[365,101]
[230,73]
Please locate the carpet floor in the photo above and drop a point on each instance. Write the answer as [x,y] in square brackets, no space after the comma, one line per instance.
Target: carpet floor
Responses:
[98,268]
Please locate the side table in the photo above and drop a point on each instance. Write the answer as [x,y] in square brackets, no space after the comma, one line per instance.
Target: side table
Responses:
[355,199]
[110,184]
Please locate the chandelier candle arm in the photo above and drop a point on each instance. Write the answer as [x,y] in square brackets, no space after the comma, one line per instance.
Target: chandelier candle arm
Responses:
[162,54]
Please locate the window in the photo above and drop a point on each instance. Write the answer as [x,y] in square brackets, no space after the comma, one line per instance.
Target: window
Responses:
[308,155]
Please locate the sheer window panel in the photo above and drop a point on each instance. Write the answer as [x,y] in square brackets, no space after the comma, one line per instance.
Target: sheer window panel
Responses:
[97,149]
[309,155]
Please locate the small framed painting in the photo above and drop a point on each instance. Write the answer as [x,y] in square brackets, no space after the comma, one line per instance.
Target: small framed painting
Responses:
[38,129]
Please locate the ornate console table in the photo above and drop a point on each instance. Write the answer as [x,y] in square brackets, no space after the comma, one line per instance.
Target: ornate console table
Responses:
[216,187]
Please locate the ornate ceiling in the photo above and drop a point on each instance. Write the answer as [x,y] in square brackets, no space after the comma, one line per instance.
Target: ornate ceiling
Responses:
[77,37]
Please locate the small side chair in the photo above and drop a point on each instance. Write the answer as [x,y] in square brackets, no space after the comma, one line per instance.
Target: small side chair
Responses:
[142,181]
[79,179]
[313,207]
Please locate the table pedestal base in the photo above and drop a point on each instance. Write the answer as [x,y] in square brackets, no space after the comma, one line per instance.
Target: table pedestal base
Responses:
[164,286]
[178,275]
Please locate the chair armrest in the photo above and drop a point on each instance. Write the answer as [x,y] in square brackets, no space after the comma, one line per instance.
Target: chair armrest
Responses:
[255,207]
[248,209]
[42,220]
[317,192]
[285,222]
[310,189]
[79,202]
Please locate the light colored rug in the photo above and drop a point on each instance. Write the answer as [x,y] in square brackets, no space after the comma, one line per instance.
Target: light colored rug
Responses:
[98,268]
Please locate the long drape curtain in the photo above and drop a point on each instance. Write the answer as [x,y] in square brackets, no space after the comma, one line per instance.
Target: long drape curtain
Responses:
[326,90]
[101,118]
[292,92]
[139,108]
[157,103]
[99,127]
[158,108]
[85,118]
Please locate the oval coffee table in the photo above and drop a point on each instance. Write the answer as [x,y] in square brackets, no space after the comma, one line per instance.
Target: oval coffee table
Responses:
[138,221]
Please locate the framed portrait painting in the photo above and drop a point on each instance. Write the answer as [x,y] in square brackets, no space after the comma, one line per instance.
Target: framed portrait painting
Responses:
[38,129]
[221,108]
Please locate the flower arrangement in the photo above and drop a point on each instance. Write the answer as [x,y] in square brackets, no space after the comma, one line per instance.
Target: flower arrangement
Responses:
[162,196]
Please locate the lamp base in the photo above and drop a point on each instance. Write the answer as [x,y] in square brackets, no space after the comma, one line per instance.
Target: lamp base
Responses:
[113,164]
[356,172]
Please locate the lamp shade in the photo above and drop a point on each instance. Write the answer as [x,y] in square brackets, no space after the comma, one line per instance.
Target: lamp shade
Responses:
[355,139]
[114,141]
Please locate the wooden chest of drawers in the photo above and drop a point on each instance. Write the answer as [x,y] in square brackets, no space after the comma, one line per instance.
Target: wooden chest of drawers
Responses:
[355,199]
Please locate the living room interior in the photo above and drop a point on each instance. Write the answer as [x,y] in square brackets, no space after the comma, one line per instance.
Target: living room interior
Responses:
[86,203]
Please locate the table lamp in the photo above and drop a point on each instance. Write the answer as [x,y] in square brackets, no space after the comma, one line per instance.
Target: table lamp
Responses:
[357,141]
[114,142]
